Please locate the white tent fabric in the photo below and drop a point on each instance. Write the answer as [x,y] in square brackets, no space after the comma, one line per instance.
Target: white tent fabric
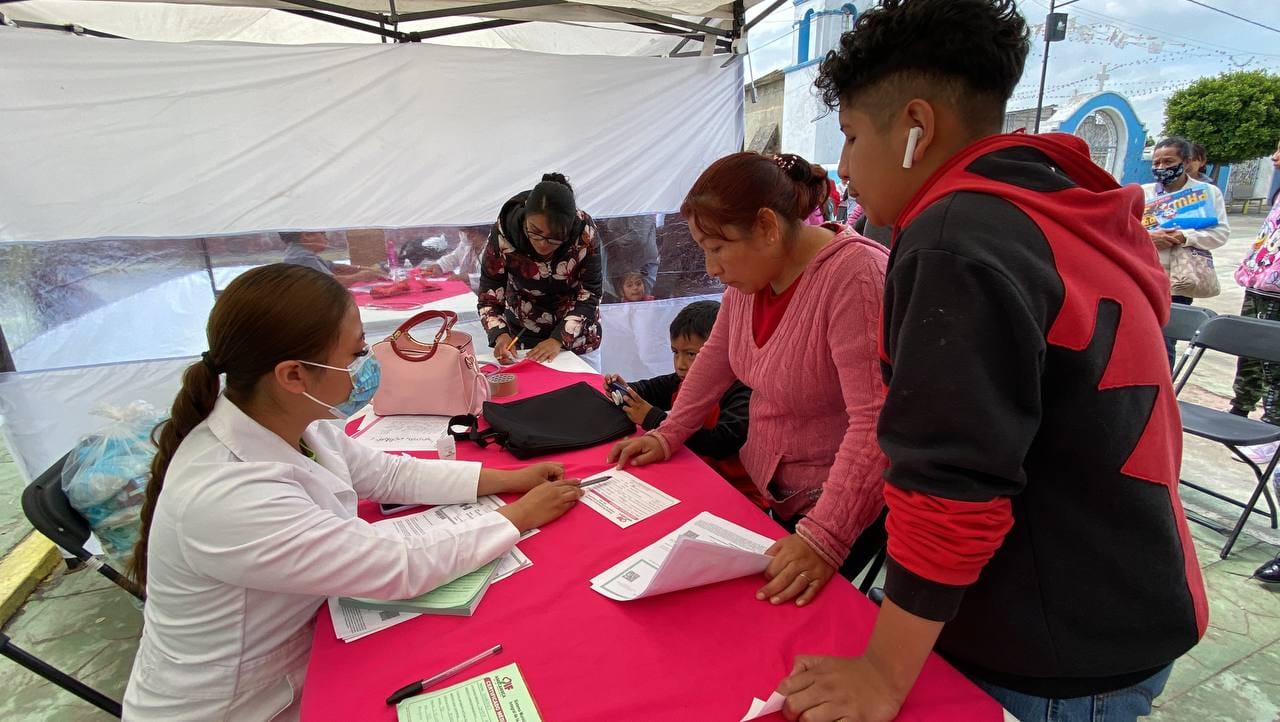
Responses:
[553,29]
[167,140]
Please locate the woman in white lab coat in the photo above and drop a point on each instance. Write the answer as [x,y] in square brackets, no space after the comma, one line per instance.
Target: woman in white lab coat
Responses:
[250,516]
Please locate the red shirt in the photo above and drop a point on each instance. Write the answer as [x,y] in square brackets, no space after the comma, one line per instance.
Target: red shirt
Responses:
[767,311]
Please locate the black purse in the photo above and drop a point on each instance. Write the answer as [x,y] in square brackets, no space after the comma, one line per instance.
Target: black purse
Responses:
[574,417]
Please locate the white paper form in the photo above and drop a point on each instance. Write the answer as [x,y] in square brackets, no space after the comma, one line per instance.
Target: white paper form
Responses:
[402,433]
[352,623]
[623,498]
[762,707]
[705,550]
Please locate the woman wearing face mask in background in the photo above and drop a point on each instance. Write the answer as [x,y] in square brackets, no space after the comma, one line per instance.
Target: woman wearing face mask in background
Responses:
[1169,161]
[540,277]
[249,521]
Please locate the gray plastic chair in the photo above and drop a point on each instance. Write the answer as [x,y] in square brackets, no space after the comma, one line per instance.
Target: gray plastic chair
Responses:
[1184,321]
[1242,337]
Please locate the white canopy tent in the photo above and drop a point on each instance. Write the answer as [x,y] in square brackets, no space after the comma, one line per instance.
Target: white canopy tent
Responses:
[146,149]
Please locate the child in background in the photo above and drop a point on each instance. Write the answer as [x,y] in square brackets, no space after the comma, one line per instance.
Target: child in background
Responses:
[633,287]
[725,430]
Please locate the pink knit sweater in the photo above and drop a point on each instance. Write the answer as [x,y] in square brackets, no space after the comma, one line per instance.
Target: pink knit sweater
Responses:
[816,394]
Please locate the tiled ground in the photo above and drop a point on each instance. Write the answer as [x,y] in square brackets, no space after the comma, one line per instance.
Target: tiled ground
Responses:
[84,625]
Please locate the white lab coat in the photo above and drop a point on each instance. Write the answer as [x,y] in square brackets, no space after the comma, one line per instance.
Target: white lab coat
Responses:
[1204,238]
[248,539]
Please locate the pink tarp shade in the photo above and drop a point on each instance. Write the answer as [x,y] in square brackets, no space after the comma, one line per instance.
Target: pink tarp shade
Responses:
[700,654]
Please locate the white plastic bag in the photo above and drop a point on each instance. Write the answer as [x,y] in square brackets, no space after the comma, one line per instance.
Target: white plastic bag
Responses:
[105,476]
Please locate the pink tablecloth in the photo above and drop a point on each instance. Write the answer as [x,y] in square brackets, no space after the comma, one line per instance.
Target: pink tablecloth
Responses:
[700,654]
[438,290]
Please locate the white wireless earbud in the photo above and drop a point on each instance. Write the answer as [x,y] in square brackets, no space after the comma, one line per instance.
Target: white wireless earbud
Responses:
[913,137]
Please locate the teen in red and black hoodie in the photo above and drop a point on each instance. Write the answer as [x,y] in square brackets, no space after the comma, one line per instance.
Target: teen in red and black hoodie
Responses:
[1035,531]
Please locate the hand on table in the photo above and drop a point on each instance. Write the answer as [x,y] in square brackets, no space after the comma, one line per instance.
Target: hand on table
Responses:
[545,351]
[531,476]
[839,689]
[542,504]
[796,571]
[640,451]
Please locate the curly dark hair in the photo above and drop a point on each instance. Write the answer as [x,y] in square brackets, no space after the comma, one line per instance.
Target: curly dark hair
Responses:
[969,52]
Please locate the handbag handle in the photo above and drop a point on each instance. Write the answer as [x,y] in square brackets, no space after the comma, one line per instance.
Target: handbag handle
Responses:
[472,423]
[449,317]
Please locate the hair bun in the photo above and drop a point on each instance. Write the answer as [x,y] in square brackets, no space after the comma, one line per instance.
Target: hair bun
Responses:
[556,178]
[796,168]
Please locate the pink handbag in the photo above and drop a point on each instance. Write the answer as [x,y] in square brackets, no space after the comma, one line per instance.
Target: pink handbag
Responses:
[441,378]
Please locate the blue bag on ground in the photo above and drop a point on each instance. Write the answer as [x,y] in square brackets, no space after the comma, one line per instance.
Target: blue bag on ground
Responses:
[1188,209]
[105,475]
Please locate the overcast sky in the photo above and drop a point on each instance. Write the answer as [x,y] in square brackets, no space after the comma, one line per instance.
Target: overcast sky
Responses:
[1149,48]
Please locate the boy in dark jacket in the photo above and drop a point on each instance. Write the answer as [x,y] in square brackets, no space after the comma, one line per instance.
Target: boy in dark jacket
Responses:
[725,431]
[1036,538]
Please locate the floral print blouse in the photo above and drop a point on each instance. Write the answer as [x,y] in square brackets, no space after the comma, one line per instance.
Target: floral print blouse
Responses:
[556,297]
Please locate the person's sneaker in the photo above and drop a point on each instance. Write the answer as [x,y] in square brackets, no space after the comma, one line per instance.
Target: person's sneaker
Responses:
[1260,454]
[1269,572]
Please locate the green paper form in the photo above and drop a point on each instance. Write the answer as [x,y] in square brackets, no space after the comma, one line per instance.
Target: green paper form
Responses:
[455,594]
[499,696]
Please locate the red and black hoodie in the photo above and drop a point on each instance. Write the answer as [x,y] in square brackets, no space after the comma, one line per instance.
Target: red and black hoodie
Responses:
[1033,436]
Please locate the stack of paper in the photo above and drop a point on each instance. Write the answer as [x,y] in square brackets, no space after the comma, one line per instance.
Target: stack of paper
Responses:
[499,696]
[623,498]
[351,623]
[705,550]
[458,598]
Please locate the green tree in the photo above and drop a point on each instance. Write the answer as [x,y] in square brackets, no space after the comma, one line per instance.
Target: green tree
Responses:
[1235,116]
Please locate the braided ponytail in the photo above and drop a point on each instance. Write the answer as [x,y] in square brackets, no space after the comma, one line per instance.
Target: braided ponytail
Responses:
[193,405]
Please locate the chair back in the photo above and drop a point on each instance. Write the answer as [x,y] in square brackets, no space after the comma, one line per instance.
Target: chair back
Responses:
[1185,320]
[1241,336]
[51,513]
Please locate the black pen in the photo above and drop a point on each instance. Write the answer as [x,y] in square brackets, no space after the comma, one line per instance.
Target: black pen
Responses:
[415,688]
[596,480]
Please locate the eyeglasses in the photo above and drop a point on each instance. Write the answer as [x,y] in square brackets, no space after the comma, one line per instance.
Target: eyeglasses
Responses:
[535,236]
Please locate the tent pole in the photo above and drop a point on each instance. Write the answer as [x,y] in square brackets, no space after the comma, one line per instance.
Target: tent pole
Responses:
[70,28]
[346,23]
[767,11]
[475,10]
[686,41]
[457,29]
[208,266]
[687,25]
[338,9]
[6,359]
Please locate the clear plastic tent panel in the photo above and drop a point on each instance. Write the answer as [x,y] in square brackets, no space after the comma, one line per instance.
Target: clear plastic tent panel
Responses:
[80,303]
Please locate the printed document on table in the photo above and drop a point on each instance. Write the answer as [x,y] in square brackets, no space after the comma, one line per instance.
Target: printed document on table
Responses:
[499,696]
[351,623]
[402,433]
[705,550]
[624,499]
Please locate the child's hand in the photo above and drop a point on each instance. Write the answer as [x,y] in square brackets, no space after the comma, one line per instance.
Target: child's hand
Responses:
[612,379]
[637,408]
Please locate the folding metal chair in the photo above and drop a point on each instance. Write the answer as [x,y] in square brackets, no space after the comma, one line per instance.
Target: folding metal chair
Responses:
[1242,337]
[1184,321]
[49,511]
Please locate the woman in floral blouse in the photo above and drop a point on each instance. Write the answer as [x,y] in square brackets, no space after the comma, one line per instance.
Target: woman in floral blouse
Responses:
[540,277]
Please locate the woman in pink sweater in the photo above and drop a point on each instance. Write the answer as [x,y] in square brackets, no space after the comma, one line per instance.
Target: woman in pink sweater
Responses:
[798,325]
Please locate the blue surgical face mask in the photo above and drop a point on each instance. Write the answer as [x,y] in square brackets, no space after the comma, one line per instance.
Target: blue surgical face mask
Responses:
[365,374]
